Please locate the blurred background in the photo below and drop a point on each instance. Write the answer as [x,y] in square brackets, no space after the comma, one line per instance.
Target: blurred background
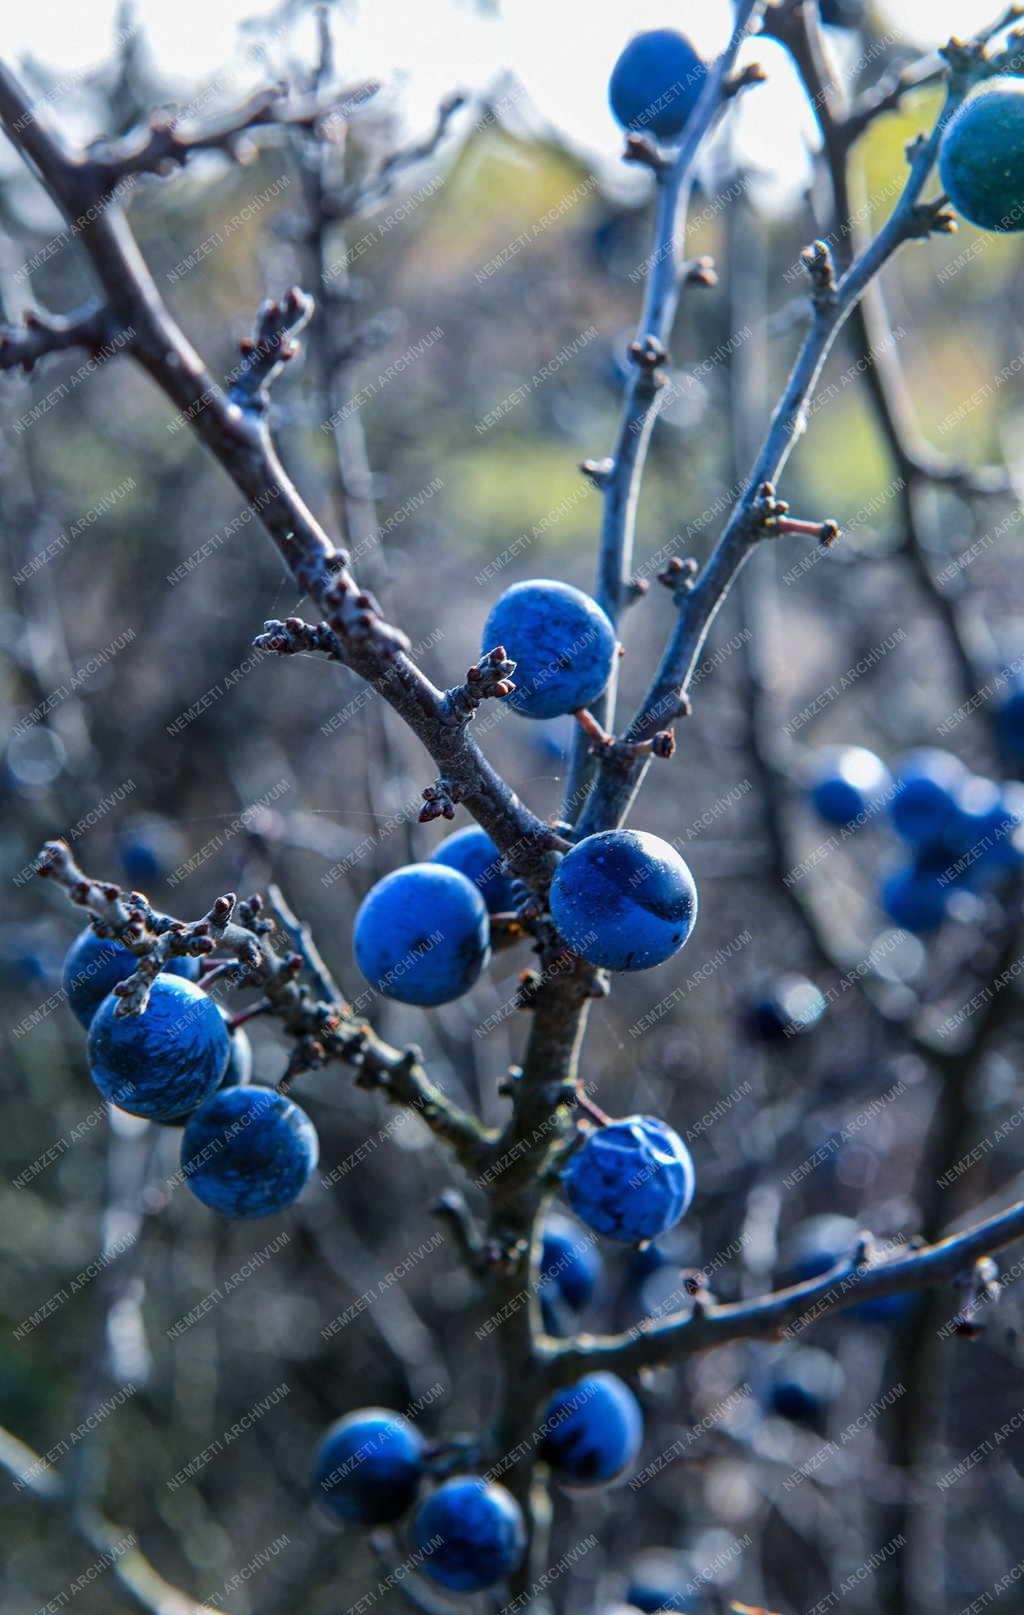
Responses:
[470,352]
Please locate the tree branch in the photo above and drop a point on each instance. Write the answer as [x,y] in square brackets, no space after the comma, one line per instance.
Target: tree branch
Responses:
[358,198]
[619,478]
[89,327]
[163,143]
[915,461]
[114,1548]
[622,772]
[239,438]
[857,1278]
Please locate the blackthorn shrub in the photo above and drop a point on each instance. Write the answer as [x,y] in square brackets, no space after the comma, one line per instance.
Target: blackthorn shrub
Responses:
[592,1431]
[473,854]
[924,802]
[631,1180]
[568,882]
[561,642]
[791,1007]
[848,785]
[570,1271]
[237,1072]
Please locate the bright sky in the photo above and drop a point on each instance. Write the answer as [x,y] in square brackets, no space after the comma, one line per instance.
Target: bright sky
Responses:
[561,50]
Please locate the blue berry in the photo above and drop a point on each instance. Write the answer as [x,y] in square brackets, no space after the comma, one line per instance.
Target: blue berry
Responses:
[624,899]
[803,1385]
[473,854]
[368,1466]
[248,1152]
[792,1005]
[421,934]
[237,1072]
[884,1309]
[981,158]
[591,1432]
[164,1061]
[988,837]
[150,847]
[239,1067]
[841,13]
[570,1268]
[1009,720]
[632,1180]
[470,1533]
[656,83]
[915,899]
[94,966]
[561,641]
[663,1581]
[818,1244]
[1006,827]
[848,785]
[924,803]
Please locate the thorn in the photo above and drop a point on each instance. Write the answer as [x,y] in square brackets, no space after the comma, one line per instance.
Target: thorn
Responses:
[592,729]
[826,531]
[641,149]
[752,74]
[818,262]
[599,471]
[701,273]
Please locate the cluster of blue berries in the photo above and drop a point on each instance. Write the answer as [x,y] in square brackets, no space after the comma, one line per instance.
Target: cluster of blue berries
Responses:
[245,1151]
[621,899]
[963,833]
[370,1467]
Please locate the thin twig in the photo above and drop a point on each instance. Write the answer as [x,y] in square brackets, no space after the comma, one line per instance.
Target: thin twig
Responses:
[114,1547]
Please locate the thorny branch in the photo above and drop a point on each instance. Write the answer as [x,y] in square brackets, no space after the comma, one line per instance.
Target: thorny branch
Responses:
[235,429]
[619,477]
[325,1028]
[833,299]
